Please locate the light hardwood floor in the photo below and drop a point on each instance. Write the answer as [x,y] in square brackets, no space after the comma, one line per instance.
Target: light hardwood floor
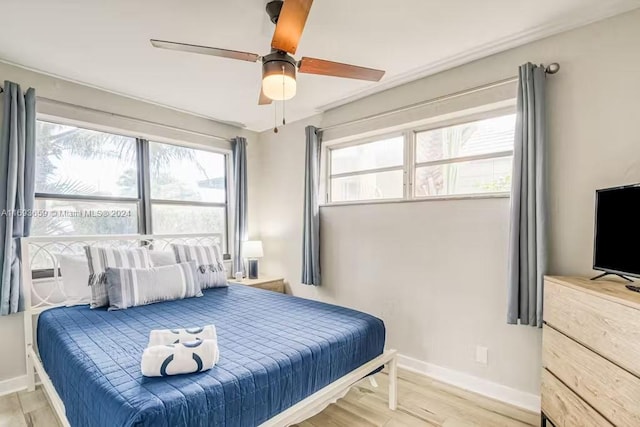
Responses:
[27,409]
[422,402]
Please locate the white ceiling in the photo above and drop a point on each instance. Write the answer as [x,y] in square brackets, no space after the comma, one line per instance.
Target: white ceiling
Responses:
[105,43]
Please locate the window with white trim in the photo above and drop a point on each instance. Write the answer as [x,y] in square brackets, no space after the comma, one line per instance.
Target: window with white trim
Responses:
[372,170]
[188,190]
[470,157]
[465,159]
[90,183]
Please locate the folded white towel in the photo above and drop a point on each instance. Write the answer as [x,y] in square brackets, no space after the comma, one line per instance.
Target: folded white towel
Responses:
[174,336]
[183,358]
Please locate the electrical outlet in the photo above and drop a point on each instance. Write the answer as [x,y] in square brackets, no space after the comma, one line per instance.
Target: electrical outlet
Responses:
[482,355]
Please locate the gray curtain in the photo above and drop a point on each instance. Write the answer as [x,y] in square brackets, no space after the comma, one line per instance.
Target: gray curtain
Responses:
[240,182]
[17,175]
[311,222]
[527,240]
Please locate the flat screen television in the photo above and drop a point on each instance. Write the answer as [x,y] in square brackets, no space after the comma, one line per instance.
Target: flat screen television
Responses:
[617,233]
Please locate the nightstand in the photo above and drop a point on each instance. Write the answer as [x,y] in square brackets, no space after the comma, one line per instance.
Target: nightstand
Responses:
[275,284]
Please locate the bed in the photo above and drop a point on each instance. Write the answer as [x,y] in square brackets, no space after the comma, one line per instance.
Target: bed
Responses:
[283,359]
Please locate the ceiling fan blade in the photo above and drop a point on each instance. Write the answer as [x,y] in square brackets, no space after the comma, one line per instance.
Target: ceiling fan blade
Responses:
[264,99]
[290,25]
[205,50]
[338,69]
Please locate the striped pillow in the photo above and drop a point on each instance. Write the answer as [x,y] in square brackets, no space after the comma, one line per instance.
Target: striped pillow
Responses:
[102,258]
[130,287]
[210,263]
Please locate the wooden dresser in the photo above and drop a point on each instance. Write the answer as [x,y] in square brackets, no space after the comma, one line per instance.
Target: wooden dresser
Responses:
[590,353]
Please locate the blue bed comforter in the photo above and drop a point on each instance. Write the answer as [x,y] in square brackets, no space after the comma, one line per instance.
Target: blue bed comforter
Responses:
[275,351]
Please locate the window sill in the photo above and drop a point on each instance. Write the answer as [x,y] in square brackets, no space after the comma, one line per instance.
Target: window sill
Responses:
[420,199]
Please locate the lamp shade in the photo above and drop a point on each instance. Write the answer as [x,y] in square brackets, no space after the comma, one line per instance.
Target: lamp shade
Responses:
[252,249]
[279,76]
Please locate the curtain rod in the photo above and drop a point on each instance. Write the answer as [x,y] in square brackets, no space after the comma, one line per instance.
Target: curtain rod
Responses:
[552,68]
[122,116]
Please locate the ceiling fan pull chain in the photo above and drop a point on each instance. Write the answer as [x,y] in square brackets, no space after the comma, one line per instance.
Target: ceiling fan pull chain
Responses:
[275,117]
[283,98]
[284,122]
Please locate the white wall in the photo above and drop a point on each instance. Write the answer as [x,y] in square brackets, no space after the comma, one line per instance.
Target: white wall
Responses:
[435,270]
[11,327]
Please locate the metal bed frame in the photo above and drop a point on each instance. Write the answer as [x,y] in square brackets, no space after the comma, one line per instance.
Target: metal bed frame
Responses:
[42,251]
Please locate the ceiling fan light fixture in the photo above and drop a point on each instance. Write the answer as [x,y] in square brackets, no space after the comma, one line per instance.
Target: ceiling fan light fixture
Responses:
[279,78]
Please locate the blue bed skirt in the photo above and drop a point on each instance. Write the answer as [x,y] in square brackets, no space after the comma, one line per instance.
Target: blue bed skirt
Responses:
[275,351]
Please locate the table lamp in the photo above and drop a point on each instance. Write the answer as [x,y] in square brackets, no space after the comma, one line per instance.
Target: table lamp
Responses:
[252,250]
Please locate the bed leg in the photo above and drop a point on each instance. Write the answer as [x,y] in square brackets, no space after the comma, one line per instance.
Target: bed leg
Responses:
[393,383]
[31,372]
[373,381]
[25,272]
[28,341]
[31,375]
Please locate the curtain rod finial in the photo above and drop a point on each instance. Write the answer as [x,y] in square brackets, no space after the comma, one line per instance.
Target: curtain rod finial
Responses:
[552,68]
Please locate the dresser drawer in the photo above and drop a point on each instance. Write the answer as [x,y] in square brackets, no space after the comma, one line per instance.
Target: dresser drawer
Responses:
[609,389]
[565,408]
[609,328]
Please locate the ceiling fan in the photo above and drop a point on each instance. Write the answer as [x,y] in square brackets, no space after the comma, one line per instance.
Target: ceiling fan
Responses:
[279,67]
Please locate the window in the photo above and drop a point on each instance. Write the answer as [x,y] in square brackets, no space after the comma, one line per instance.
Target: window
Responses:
[367,171]
[86,182]
[90,182]
[469,158]
[188,190]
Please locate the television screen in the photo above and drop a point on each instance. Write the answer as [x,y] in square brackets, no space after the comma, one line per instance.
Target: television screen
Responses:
[617,234]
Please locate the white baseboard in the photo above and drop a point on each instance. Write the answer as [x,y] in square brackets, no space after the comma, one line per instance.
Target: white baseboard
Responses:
[468,382]
[13,384]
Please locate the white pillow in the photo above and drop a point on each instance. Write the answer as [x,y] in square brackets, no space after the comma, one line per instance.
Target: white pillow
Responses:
[75,278]
[162,258]
[130,287]
[101,258]
[209,261]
